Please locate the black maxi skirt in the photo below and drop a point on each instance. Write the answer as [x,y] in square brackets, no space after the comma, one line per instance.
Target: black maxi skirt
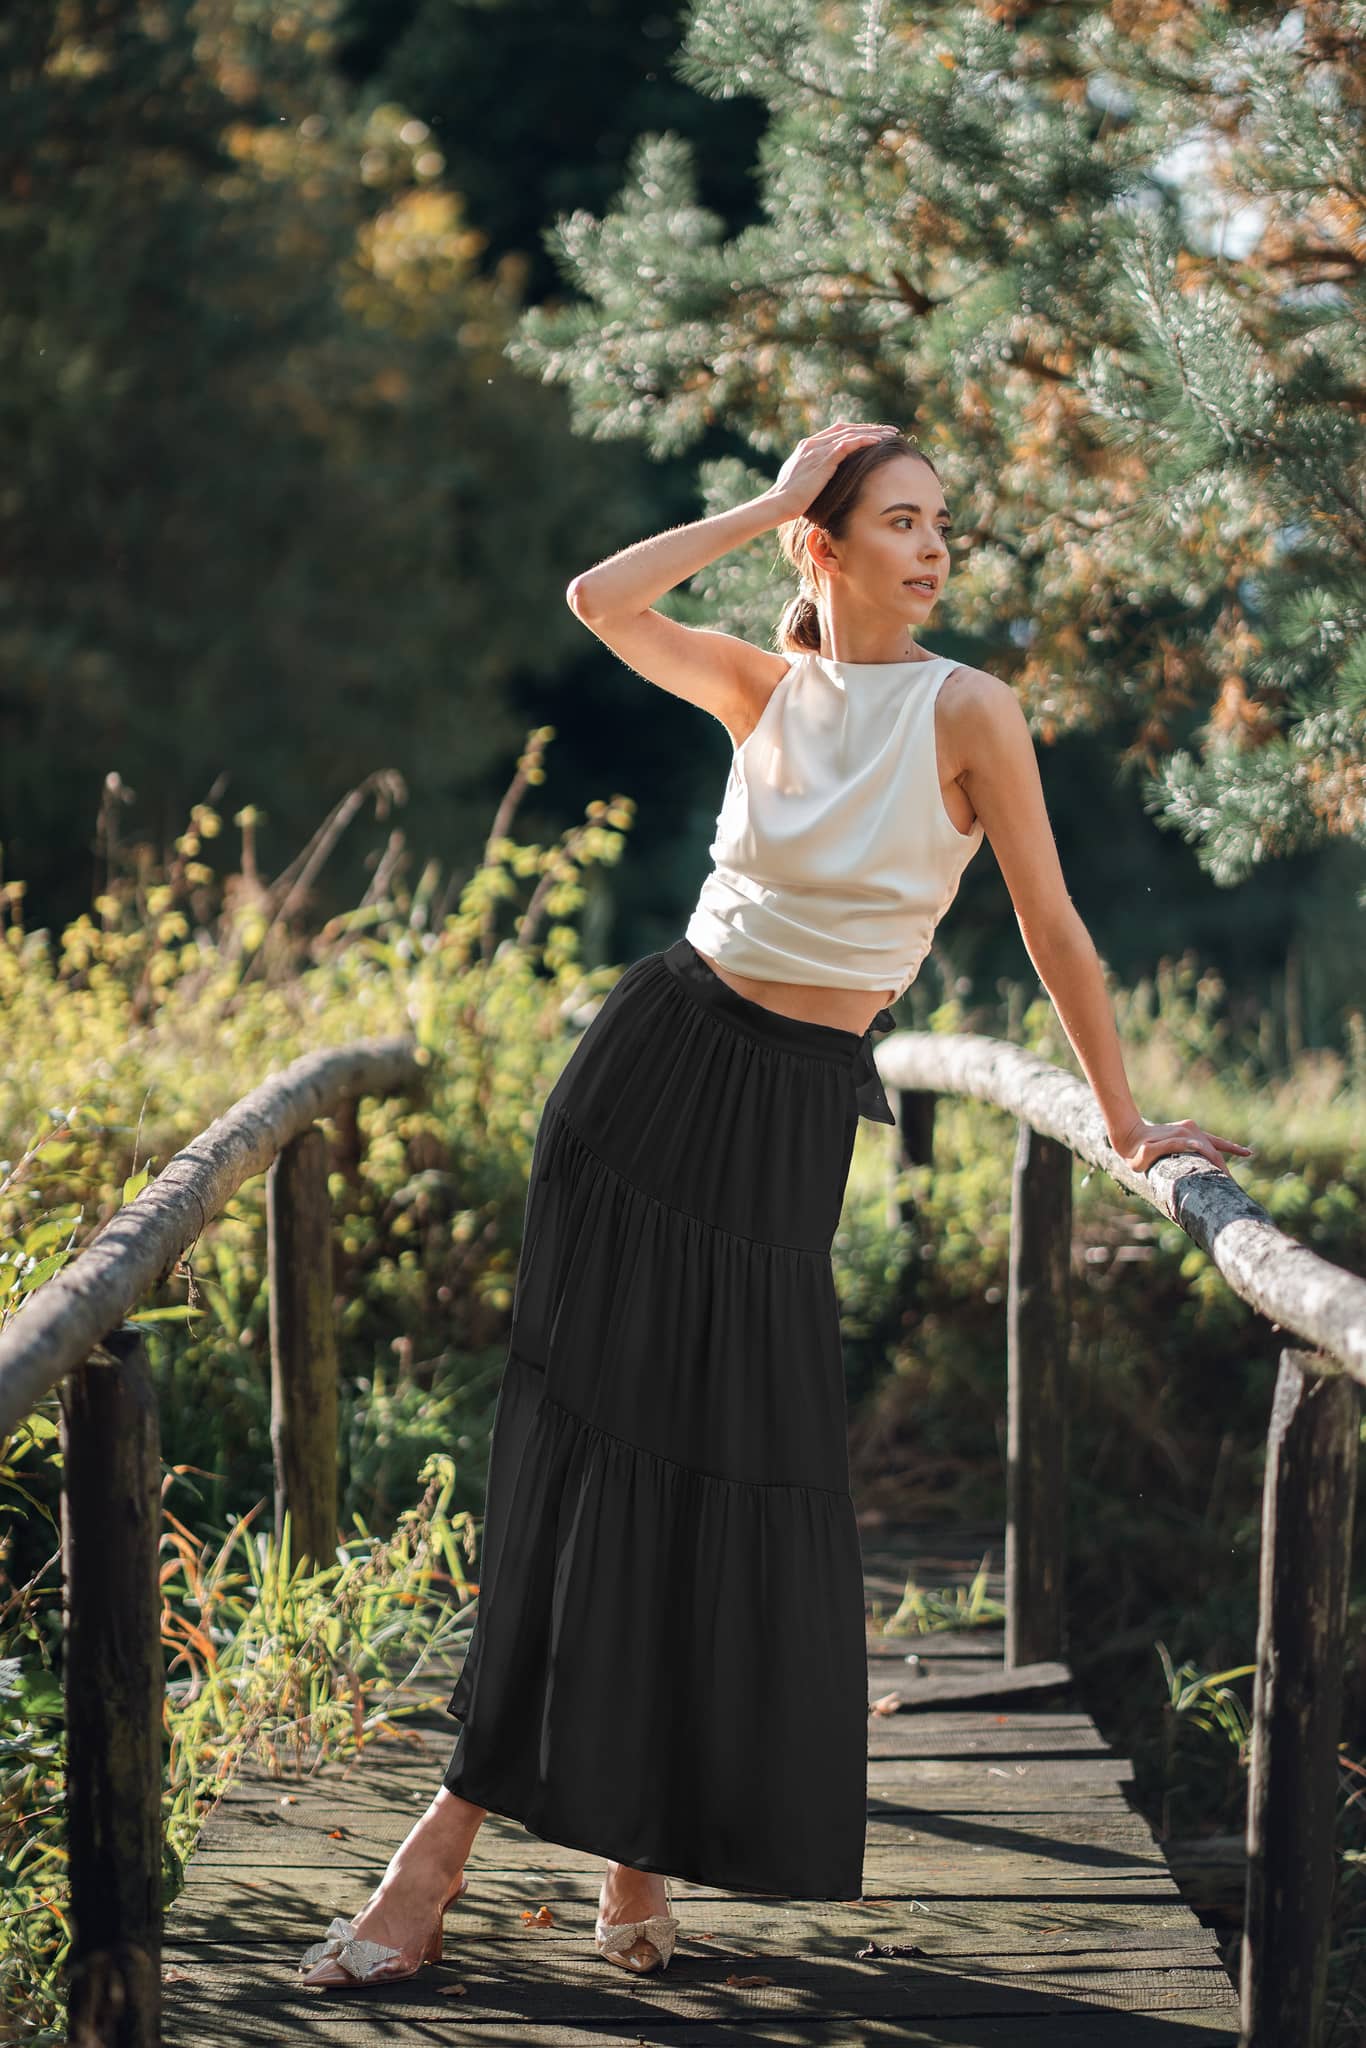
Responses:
[668,1662]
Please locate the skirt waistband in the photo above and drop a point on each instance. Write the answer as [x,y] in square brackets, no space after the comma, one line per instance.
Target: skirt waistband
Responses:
[802,1034]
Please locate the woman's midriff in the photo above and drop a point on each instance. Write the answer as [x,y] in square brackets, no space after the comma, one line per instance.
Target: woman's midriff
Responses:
[850,1009]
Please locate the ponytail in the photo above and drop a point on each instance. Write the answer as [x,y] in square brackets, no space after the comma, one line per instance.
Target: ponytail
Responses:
[799,628]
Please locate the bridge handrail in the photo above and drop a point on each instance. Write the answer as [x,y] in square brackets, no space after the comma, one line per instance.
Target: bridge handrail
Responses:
[1284,1280]
[136,1250]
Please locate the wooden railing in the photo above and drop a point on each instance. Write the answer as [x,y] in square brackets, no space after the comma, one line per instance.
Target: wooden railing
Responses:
[1310,1481]
[71,1334]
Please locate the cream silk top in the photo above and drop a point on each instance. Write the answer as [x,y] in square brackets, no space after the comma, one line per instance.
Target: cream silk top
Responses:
[834,857]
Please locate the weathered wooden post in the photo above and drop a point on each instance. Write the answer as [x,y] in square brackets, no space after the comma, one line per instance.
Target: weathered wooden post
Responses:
[1307,1504]
[303,1349]
[114,1681]
[1038,1318]
[347,1150]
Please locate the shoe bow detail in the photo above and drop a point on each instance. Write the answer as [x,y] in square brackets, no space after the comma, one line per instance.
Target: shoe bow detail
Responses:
[351,1950]
[615,1939]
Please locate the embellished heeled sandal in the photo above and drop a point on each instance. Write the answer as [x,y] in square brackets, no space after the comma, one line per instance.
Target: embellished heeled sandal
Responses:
[657,1933]
[370,1962]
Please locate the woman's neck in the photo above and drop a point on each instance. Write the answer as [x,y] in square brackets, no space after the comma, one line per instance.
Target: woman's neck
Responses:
[909,652]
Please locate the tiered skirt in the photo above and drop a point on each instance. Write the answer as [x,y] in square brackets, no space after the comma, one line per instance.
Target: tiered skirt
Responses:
[668,1664]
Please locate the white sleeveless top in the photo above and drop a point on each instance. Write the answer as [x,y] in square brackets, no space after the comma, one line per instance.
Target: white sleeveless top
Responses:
[834,857]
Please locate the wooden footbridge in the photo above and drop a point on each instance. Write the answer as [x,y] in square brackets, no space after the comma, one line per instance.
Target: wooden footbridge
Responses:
[1014,1895]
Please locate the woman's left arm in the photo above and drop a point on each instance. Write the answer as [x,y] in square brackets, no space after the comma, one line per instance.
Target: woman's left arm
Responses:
[989,735]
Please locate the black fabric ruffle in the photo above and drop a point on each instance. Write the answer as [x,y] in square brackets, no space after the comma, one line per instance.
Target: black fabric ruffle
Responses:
[668,1662]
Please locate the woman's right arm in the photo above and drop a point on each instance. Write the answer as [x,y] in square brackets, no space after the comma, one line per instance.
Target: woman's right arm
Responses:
[716,671]
[626,583]
[720,672]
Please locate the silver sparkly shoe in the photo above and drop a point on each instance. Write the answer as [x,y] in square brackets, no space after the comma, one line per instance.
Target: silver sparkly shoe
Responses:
[369,1962]
[614,1938]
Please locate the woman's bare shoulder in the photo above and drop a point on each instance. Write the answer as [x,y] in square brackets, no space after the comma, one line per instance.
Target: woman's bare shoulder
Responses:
[719,672]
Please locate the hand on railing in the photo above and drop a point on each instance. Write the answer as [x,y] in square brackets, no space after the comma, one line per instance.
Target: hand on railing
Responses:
[1143,1142]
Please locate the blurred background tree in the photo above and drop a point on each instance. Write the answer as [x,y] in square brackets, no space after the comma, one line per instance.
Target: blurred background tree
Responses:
[276,512]
[537,107]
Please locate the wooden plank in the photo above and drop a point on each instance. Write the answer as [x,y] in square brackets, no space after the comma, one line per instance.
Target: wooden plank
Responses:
[951,1779]
[894,1783]
[263,1918]
[941,1646]
[1106,1839]
[535,1977]
[648,2030]
[1015,1731]
[892,1546]
[992,1682]
[1169,2030]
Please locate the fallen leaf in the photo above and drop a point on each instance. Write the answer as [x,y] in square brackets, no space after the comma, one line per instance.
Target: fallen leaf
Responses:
[747,1981]
[455,1990]
[170,1975]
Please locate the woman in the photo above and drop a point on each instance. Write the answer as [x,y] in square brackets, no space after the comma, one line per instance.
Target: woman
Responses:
[668,1663]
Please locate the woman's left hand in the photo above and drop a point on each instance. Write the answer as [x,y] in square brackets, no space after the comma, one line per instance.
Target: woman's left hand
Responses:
[1144,1142]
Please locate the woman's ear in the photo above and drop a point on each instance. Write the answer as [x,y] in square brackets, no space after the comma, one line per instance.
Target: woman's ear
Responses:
[820,554]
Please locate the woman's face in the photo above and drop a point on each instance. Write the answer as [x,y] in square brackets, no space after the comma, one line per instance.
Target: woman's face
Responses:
[893,554]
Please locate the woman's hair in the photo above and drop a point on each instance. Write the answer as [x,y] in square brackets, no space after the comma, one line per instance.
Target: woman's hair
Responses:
[799,628]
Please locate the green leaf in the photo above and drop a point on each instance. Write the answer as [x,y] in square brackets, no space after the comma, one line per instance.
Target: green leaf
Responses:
[42,1271]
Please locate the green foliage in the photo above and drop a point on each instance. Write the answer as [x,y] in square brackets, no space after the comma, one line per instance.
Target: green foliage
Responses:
[1206,1700]
[557,92]
[923,1609]
[266,1660]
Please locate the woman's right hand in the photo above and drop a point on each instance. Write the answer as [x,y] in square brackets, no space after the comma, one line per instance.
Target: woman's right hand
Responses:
[1144,1142]
[813,462]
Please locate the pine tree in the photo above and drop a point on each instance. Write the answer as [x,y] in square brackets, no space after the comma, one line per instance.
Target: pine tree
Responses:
[1106,262]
